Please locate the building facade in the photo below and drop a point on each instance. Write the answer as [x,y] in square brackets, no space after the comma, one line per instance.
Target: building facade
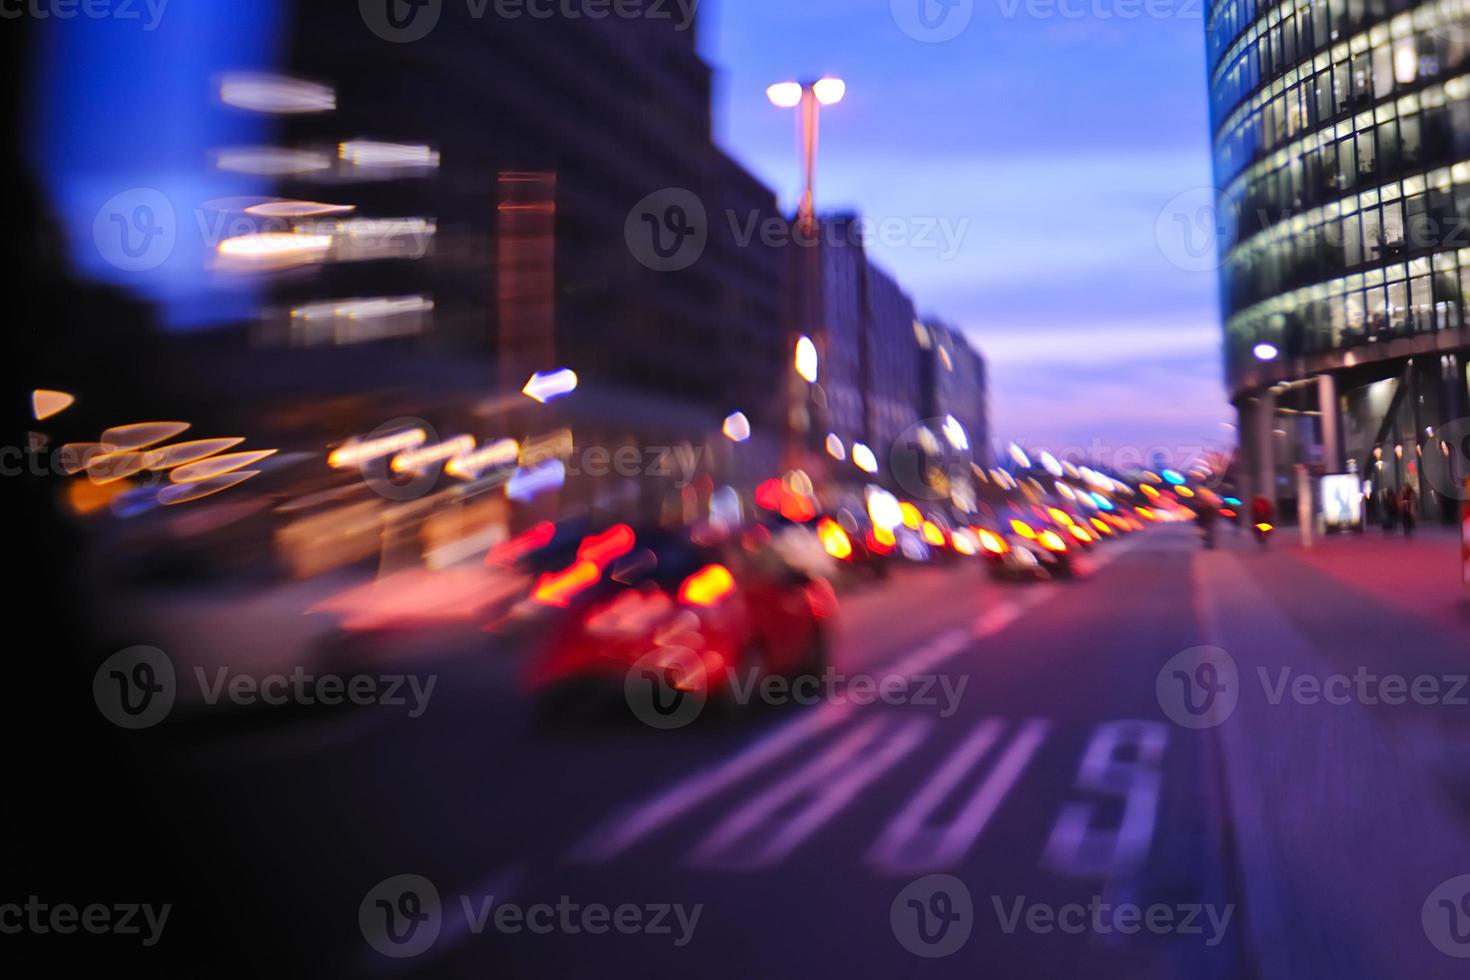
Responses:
[954,384]
[1342,162]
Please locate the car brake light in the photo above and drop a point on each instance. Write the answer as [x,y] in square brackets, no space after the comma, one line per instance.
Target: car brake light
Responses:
[834,539]
[822,599]
[881,540]
[707,586]
[508,552]
[558,588]
[600,549]
[1052,541]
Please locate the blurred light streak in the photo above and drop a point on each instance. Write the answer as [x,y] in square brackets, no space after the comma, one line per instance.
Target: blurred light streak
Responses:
[550,385]
[140,434]
[512,551]
[371,154]
[501,454]
[270,250]
[296,209]
[275,94]
[863,458]
[46,402]
[707,586]
[417,460]
[213,466]
[785,95]
[558,588]
[807,362]
[355,453]
[270,161]
[182,493]
[179,453]
[528,484]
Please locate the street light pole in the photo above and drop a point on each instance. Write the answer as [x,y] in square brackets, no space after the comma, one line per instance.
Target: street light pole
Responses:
[808,98]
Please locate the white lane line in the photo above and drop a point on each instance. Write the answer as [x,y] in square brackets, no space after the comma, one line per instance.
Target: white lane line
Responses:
[910,844]
[756,836]
[630,827]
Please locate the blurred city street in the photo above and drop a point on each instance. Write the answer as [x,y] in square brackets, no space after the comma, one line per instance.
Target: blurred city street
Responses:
[737,488]
[1056,776]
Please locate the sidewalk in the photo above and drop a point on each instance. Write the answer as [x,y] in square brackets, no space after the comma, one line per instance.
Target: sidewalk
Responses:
[1342,821]
[1422,575]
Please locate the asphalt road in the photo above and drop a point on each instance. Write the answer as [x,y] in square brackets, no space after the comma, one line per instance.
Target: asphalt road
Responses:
[1027,800]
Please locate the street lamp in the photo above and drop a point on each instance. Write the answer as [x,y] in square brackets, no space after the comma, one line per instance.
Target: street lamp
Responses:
[810,97]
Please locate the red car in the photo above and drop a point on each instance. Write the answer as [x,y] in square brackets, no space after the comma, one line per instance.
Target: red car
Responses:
[700,613]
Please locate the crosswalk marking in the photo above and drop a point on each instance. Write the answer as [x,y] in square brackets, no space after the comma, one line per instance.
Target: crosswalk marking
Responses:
[911,844]
[756,836]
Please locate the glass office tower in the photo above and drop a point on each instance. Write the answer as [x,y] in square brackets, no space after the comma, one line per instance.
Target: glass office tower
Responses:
[1342,160]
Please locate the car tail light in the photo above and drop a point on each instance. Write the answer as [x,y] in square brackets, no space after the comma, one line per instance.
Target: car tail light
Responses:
[881,540]
[834,539]
[992,543]
[509,552]
[822,599]
[600,549]
[1052,541]
[707,587]
[558,588]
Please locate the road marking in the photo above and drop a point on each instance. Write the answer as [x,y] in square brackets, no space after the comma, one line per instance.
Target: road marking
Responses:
[1123,759]
[630,828]
[910,844]
[756,837]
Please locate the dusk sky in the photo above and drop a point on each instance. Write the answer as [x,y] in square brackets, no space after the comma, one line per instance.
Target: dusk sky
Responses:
[1051,147]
